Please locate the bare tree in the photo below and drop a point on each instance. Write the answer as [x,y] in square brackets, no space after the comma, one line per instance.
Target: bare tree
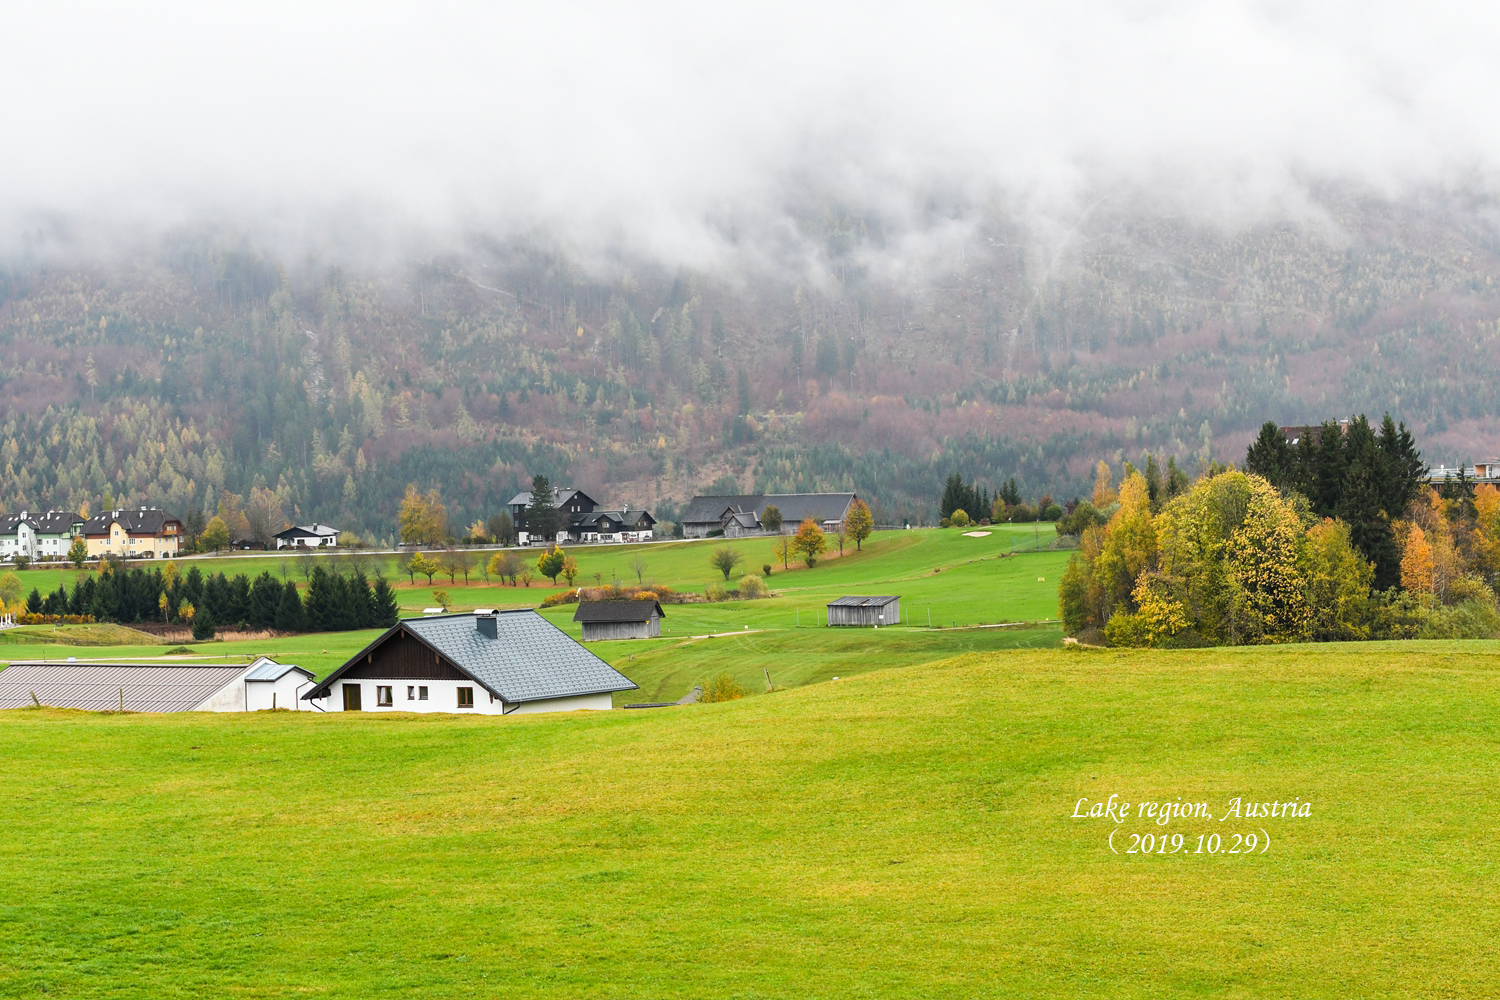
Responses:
[638,567]
[725,559]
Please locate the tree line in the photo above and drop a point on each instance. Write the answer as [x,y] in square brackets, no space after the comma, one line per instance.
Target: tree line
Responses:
[334,601]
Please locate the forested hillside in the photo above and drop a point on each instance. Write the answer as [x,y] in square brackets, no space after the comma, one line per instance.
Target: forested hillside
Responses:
[172,373]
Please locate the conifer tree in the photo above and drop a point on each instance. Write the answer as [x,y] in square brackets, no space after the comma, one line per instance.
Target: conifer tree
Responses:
[289,617]
[387,612]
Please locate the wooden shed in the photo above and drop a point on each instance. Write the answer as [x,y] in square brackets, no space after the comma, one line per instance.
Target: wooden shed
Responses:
[865,611]
[620,619]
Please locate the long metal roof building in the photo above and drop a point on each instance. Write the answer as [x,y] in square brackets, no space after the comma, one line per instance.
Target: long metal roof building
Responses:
[153,687]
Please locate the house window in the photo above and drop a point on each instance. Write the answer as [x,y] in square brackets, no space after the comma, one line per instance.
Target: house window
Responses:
[383,695]
[422,693]
[411,693]
[465,697]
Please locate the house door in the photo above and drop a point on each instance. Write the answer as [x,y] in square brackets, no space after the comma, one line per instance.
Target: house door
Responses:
[351,698]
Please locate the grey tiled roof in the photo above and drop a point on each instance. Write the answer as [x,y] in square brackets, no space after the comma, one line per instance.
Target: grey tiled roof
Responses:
[154,687]
[794,507]
[267,669]
[137,521]
[56,522]
[529,660]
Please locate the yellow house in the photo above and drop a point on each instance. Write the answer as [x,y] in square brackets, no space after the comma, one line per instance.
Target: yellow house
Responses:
[138,533]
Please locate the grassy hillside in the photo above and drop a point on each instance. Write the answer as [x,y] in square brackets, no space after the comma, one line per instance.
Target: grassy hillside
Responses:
[942,576]
[902,833]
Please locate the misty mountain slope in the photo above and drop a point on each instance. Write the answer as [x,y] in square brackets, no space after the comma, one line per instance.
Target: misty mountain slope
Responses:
[996,350]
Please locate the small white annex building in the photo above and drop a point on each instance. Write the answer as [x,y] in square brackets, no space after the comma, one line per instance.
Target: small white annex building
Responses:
[156,687]
[492,663]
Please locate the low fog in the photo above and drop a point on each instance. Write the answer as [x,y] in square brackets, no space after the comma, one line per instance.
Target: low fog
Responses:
[692,135]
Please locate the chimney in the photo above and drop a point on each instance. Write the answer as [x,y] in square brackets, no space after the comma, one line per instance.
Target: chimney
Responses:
[487,623]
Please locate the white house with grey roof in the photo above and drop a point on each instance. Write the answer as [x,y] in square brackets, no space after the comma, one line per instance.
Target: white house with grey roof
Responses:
[17,536]
[161,686]
[486,663]
[55,532]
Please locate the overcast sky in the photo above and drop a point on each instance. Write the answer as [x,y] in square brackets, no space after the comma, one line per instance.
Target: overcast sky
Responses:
[658,129]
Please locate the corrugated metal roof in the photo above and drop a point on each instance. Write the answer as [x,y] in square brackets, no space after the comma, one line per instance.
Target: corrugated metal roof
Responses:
[153,687]
[862,602]
[617,611]
[530,659]
[267,669]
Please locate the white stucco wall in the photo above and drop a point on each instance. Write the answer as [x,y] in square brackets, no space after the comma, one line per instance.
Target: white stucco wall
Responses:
[589,702]
[442,696]
[285,692]
[230,698]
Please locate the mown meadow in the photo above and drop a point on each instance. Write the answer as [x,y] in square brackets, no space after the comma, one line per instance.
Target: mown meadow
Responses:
[902,832]
[949,582]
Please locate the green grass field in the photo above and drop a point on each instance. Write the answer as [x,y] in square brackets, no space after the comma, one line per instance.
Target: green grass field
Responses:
[943,577]
[902,832]
[904,559]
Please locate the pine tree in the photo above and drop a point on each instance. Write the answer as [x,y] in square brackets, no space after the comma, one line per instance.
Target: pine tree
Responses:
[542,513]
[318,607]
[1330,460]
[1405,472]
[1359,503]
[265,597]
[1270,456]
[387,612]
[289,616]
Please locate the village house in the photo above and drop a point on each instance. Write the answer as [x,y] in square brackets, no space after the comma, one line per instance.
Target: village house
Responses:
[1480,472]
[137,533]
[581,519]
[619,619]
[17,537]
[485,663]
[307,536]
[155,687]
[742,515]
[55,532]
[38,536]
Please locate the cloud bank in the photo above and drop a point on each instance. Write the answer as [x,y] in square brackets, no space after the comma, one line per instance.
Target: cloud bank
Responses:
[689,133]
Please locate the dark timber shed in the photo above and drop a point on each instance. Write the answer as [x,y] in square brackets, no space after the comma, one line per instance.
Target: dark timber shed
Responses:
[619,619]
[865,611]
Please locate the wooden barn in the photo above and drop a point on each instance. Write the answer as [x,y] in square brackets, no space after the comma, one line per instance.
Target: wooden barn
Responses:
[865,611]
[620,619]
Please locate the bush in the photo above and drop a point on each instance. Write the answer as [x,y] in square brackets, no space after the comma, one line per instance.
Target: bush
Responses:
[752,587]
[1052,513]
[945,523]
[960,518]
[28,618]
[716,592]
[722,687]
[566,597]
[766,569]
[1471,619]
[1083,517]
[1022,514]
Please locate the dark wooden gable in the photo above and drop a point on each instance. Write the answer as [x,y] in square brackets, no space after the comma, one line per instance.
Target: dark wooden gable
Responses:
[402,656]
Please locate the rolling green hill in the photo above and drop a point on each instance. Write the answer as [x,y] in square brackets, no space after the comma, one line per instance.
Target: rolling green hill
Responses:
[943,576]
[906,832]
